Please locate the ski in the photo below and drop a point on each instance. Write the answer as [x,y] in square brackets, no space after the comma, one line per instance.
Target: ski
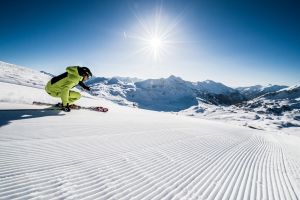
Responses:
[57,106]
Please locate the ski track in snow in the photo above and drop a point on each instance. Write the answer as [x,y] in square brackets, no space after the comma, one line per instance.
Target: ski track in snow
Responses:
[165,163]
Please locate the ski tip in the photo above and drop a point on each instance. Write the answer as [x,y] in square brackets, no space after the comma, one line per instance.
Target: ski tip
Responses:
[101,109]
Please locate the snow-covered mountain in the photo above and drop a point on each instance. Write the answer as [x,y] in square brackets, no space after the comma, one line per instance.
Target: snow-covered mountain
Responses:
[289,93]
[128,79]
[165,94]
[271,111]
[210,86]
[258,90]
[287,99]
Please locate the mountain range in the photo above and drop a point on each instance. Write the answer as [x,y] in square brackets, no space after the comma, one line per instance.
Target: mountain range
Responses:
[174,93]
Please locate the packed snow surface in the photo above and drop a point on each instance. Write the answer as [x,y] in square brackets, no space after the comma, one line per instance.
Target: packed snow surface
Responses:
[130,153]
[10,73]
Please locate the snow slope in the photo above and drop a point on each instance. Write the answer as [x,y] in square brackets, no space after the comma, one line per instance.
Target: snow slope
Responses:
[130,153]
[10,73]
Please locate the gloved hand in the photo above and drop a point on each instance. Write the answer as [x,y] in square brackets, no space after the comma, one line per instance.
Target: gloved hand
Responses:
[66,108]
[88,88]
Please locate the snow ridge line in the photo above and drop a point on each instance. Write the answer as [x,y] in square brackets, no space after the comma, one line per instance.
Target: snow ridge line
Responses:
[291,167]
[36,160]
[168,165]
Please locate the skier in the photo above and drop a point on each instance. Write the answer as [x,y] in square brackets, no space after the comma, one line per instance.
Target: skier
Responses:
[60,86]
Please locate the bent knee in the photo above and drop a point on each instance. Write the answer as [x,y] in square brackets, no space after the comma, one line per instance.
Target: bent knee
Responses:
[75,95]
[78,95]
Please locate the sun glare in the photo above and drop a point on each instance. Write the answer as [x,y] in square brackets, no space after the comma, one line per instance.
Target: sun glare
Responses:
[155,35]
[155,43]
[156,46]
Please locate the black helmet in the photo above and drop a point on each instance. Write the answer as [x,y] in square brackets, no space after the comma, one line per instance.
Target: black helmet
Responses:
[84,71]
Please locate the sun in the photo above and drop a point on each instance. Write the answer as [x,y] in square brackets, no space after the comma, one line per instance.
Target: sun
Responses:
[155,46]
[155,43]
[154,35]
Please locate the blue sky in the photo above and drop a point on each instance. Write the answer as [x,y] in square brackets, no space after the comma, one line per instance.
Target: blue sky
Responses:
[238,43]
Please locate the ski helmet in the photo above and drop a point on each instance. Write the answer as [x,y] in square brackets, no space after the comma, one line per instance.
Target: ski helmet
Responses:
[84,71]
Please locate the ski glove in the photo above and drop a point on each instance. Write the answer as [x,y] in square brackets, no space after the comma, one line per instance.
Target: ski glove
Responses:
[84,86]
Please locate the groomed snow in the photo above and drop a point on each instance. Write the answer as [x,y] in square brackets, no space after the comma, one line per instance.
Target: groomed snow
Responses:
[131,153]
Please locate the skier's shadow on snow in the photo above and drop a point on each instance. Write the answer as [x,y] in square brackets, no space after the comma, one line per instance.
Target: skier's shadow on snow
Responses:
[7,116]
